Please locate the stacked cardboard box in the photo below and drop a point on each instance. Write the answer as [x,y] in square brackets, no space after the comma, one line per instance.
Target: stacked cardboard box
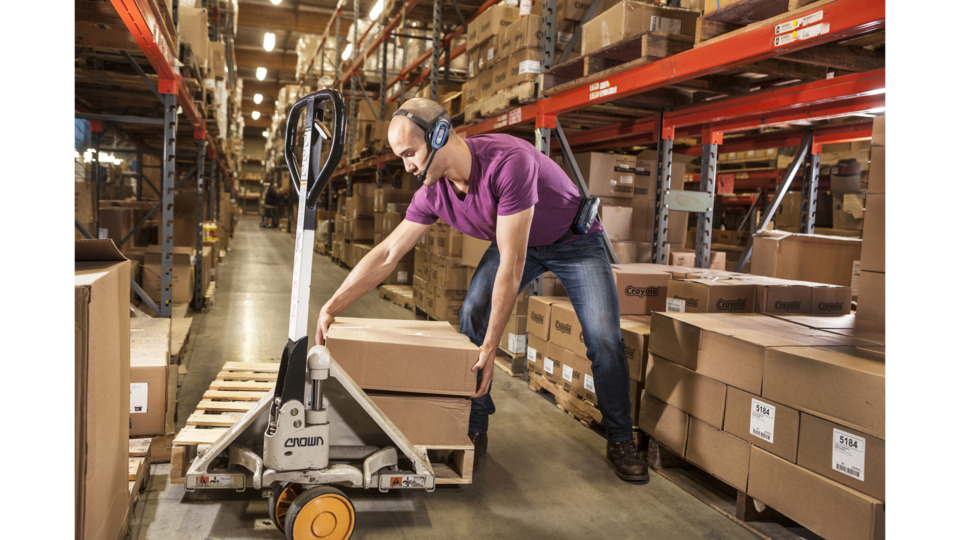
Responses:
[417,372]
[151,377]
[369,131]
[102,397]
[389,209]
[752,399]
[871,297]
[439,277]
[807,257]
[503,48]
[556,350]
[627,19]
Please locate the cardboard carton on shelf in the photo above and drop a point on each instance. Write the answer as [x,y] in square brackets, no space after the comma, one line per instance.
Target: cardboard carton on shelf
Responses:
[149,364]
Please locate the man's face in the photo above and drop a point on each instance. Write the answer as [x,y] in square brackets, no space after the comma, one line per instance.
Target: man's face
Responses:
[406,140]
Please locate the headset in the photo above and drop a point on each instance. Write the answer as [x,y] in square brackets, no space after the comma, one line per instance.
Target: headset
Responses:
[435,133]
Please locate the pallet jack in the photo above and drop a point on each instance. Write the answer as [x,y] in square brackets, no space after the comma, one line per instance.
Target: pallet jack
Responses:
[318,429]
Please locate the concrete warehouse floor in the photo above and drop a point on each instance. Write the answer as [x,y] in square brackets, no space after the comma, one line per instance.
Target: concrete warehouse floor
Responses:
[544,476]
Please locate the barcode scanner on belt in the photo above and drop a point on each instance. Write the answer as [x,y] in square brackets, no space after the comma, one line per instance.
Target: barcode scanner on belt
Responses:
[586,215]
[436,133]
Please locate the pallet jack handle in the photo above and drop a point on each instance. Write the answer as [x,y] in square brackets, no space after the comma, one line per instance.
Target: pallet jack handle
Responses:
[311,176]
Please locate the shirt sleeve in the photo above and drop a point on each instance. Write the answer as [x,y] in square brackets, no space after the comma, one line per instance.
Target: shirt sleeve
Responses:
[516,183]
[419,211]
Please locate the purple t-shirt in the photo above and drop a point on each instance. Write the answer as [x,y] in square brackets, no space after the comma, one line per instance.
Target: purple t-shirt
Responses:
[507,175]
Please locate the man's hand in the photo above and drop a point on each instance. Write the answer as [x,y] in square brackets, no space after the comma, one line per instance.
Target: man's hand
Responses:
[323,326]
[485,363]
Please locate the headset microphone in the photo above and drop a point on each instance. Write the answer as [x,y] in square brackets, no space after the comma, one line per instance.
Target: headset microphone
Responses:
[422,176]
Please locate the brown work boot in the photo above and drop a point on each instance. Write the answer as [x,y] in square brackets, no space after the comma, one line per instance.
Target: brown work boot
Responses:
[628,464]
[479,440]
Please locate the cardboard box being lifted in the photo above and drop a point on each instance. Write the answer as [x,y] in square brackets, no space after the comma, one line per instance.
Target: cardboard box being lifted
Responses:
[428,357]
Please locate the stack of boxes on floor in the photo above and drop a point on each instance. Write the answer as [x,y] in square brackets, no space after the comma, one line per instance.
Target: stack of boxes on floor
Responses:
[353,236]
[871,289]
[389,209]
[417,372]
[440,278]
[789,414]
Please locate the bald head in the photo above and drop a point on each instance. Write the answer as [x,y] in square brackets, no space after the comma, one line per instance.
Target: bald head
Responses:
[408,140]
[423,108]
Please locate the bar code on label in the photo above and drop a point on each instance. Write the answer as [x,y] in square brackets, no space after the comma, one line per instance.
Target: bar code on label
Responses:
[765,435]
[848,470]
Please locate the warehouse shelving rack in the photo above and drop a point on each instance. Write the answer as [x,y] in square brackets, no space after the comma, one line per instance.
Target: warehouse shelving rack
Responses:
[141,29]
[728,122]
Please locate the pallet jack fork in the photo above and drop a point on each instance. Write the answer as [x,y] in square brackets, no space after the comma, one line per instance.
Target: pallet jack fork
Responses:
[318,428]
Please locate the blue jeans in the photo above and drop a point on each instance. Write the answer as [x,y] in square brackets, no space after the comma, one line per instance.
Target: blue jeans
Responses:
[584,271]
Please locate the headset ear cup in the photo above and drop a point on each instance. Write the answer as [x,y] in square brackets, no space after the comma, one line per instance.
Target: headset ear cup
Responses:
[440,132]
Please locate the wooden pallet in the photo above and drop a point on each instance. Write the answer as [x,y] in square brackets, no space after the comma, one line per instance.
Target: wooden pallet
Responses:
[401,295]
[508,98]
[735,504]
[737,15]
[613,59]
[237,389]
[576,407]
[512,363]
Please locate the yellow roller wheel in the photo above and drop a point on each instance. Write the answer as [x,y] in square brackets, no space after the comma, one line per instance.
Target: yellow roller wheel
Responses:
[281,497]
[320,512]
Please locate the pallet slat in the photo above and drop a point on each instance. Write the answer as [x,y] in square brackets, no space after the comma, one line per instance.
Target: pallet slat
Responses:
[213,420]
[260,386]
[251,366]
[192,436]
[225,406]
[233,395]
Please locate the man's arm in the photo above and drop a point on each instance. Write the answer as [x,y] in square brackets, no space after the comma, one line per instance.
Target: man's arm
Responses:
[372,269]
[513,232]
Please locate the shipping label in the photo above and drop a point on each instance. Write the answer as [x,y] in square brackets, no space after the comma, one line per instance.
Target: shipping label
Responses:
[567,373]
[548,365]
[517,343]
[529,66]
[531,354]
[138,397]
[762,417]
[849,453]
[665,24]
[676,305]
[588,384]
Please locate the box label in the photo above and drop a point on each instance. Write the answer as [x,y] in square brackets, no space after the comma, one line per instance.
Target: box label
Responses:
[676,305]
[531,354]
[138,397]
[529,66]
[588,384]
[526,6]
[517,343]
[665,24]
[567,373]
[849,453]
[548,365]
[762,417]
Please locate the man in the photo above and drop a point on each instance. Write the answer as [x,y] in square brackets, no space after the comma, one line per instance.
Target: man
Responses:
[500,188]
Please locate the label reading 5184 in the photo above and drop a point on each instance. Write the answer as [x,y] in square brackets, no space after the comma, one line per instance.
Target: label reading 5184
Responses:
[849,453]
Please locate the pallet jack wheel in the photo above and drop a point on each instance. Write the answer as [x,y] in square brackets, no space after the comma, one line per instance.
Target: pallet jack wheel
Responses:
[281,497]
[320,512]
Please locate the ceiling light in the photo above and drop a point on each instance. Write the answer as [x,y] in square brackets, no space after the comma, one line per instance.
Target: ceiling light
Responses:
[377,9]
[269,41]
[265,134]
[257,98]
[261,73]
[255,115]
[276,2]
[347,51]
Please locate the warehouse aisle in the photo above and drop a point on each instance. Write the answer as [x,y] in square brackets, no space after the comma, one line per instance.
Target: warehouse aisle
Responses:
[545,475]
